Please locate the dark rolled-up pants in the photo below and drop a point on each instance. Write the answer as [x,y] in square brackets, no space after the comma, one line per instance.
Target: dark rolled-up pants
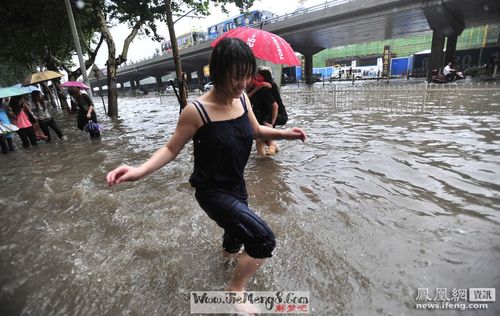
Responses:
[241,225]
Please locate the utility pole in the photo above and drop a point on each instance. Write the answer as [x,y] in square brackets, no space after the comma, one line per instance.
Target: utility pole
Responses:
[72,24]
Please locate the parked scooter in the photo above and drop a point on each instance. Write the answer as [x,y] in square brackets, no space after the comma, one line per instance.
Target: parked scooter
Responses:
[440,78]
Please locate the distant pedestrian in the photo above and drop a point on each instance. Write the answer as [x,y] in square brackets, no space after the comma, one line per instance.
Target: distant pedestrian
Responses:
[264,75]
[43,116]
[26,131]
[6,142]
[86,110]
[264,107]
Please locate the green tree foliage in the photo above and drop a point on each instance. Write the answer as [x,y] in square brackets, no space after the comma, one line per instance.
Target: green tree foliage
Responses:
[37,34]
[142,17]
[179,8]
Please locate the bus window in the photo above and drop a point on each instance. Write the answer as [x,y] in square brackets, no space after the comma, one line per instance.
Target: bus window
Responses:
[165,46]
[266,15]
[212,31]
[228,26]
[239,21]
[220,29]
[199,37]
[184,41]
[257,16]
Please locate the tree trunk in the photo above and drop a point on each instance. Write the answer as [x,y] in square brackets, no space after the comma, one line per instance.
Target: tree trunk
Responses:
[113,63]
[111,76]
[48,93]
[50,64]
[175,53]
[112,94]
[111,67]
[61,95]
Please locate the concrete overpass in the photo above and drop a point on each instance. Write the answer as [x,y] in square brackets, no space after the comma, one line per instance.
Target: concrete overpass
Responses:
[344,22]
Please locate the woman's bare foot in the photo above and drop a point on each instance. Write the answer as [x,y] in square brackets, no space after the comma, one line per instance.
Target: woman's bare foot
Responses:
[230,259]
[272,149]
[243,308]
[261,148]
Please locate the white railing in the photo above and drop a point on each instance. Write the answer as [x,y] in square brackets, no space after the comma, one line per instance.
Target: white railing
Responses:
[433,98]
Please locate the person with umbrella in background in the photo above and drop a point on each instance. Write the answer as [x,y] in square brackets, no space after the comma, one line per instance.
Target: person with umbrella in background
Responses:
[42,77]
[222,126]
[26,130]
[5,138]
[272,48]
[264,107]
[86,110]
[264,76]
[42,114]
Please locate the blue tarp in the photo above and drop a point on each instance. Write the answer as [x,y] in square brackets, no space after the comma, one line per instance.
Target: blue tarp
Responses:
[400,66]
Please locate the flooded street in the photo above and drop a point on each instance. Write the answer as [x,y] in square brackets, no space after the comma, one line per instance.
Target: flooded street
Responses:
[374,206]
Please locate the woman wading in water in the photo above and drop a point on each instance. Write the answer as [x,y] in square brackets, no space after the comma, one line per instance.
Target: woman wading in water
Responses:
[222,126]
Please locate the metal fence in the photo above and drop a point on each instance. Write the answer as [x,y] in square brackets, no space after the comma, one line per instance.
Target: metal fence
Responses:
[408,98]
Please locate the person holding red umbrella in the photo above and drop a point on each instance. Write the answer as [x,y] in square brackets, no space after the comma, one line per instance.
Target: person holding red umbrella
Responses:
[222,126]
[264,107]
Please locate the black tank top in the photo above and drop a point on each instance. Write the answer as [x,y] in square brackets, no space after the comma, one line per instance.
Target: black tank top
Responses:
[221,151]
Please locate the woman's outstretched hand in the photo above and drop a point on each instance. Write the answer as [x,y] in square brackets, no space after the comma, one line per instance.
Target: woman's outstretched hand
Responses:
[123,174]
[295,133]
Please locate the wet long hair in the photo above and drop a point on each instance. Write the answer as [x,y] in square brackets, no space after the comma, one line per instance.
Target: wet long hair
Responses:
[231,54]
[15,104]
[36,97]
[268,77]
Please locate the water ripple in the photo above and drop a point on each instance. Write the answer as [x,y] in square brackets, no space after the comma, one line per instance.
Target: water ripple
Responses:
[373,206]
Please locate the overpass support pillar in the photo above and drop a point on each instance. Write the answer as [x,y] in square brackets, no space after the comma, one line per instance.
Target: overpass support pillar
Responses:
[201,78]
[443,23]
[189,80]
[100,90]
[138,85]
[132,87]
[308,67]
[436,61]
[451,48]
[159,86]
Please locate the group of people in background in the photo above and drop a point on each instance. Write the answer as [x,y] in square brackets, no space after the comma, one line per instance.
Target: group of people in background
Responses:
[31,120]
[30,114]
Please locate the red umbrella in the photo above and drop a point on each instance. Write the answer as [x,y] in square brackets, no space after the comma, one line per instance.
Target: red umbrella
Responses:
[265,45]
[77,84]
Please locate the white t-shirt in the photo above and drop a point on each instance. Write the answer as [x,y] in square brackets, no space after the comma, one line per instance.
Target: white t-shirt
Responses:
[446,70]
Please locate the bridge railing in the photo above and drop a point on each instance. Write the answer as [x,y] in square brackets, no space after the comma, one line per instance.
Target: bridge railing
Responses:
[274,19]
[409,98]
[298,12]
